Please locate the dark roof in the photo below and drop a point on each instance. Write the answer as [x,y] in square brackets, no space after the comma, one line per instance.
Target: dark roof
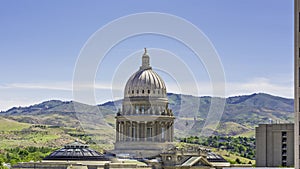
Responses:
[212,157]
[76,151]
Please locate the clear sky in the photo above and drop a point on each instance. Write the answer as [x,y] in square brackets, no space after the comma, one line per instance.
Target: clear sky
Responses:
[41,40]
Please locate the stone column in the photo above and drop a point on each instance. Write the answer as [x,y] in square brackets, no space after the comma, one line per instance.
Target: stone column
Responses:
[160,131]
[130,131]
[172,132]
[163,131]
[138,130]
[125,130]
[118,131]
[169,131]
[145,131]
[121,131]
[154,131]
[166,131]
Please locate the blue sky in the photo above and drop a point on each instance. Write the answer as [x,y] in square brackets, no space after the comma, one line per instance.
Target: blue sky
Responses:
[41,40]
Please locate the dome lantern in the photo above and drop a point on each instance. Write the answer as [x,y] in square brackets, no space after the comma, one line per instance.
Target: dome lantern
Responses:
[145,60]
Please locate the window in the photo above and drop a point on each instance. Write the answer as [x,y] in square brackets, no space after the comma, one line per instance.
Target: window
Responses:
[284,152]
[137,91]
[283,164]
[284,140]
[153,91]
[162,133]
[157,92]
[148,91]
[283,134]
[132,92]
[137,109]
[143,91]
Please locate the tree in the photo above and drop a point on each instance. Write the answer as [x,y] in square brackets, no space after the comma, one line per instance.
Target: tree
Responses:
[238,161]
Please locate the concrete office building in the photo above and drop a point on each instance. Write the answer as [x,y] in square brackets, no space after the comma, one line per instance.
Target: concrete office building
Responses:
[274,145]
[296,77]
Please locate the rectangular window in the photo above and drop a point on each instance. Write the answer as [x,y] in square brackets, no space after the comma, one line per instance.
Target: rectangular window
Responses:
[284,140]
[137,109]
[283,134]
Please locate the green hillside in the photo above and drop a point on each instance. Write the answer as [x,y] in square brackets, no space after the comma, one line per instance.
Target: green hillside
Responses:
[41,128]
[70,120]
[11,125]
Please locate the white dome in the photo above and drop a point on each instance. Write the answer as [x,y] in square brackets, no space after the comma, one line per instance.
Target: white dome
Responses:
[145,82]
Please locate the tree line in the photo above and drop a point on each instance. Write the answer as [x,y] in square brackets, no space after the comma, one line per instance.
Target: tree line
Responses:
[15,155]
[241,146]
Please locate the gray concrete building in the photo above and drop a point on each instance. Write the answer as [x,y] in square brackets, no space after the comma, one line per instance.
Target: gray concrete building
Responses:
[296,77]
[274,145]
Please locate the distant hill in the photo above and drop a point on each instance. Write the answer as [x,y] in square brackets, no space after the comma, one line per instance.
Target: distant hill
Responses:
[241,114]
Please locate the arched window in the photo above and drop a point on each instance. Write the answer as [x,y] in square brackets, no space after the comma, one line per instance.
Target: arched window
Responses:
[137,91]
[148,91]
[143,91]
[132,91]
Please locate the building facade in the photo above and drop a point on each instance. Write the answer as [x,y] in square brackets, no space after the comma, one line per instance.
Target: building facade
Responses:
[296,78]
[145,125]
[274,145]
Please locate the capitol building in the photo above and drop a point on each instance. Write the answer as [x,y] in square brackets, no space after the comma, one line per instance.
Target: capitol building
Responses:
[144,135]
[145,126]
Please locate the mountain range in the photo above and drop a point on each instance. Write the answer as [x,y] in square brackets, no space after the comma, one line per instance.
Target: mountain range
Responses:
[241,113]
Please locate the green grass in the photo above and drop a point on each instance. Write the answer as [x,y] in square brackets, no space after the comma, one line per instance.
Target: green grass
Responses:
[231,157]
[247,134]
[11,125]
